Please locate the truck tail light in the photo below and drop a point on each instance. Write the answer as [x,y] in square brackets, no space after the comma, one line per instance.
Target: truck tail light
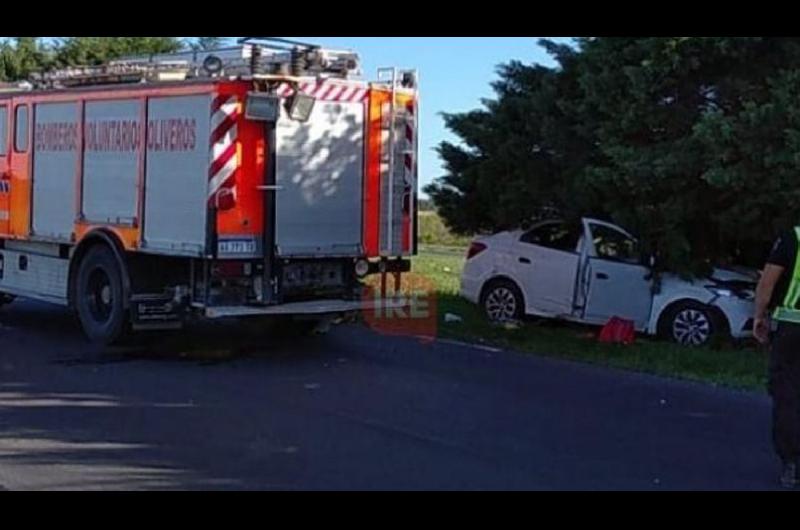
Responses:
[474,249]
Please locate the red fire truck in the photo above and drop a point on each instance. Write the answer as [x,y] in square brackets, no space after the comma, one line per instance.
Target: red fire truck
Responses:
[265,178]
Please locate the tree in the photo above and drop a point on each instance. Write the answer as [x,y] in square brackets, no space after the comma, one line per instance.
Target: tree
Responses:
[516,150]
[72,51]
[665,112]
[22,56]
[693,143]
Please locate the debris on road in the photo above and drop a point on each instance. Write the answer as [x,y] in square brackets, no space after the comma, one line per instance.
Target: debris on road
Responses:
[450,317]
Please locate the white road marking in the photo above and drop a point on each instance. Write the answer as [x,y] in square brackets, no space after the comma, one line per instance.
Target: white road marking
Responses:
[470,345]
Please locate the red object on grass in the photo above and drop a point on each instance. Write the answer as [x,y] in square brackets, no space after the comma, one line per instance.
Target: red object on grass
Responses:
[618,330]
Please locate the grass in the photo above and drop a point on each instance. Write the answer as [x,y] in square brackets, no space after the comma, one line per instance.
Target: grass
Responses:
[729,365]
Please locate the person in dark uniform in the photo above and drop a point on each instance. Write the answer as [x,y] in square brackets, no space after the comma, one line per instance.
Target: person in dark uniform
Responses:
[778,293]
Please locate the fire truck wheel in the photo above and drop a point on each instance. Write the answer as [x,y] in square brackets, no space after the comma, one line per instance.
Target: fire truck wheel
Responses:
[5,299]
[99,296]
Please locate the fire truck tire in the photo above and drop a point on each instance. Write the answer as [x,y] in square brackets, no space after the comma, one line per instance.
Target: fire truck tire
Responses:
[5,299]
[99,296]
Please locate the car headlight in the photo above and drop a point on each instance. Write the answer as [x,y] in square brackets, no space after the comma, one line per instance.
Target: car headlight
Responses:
[720,291]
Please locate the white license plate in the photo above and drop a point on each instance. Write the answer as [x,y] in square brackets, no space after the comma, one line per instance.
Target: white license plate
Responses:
[236,247]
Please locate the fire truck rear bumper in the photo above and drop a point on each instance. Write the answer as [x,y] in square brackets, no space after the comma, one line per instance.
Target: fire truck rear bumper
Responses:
[316,307]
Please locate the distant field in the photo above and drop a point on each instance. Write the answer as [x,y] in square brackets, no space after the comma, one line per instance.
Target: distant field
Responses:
[432,231]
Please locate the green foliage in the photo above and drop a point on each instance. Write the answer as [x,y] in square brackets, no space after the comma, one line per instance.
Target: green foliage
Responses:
[425,205]
[23,55]
[97,50]
[692,143]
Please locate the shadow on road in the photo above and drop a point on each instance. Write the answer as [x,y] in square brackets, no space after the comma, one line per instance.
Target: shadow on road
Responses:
[209,341]
[149,414]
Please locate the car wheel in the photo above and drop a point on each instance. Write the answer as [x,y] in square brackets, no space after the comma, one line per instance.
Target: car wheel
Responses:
[99,296]
[502,302]
[689,324]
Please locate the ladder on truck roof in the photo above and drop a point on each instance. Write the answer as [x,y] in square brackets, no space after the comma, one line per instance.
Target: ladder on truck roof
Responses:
[251,57]
[400,180]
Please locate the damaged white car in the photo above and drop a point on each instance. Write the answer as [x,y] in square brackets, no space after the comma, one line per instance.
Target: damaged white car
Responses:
[593,272]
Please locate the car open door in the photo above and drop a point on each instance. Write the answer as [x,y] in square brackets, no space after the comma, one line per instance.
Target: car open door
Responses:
[547,263]
[617,283]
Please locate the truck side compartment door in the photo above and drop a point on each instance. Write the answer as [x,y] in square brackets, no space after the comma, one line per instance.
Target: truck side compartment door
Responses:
[19,168]
[55,168]
[5,177]
[319,177]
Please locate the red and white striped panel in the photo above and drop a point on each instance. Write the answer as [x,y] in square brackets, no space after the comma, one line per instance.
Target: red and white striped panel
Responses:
[225,111]
[327,91]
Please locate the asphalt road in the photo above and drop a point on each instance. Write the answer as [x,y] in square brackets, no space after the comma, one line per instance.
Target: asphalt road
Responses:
[352,410]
